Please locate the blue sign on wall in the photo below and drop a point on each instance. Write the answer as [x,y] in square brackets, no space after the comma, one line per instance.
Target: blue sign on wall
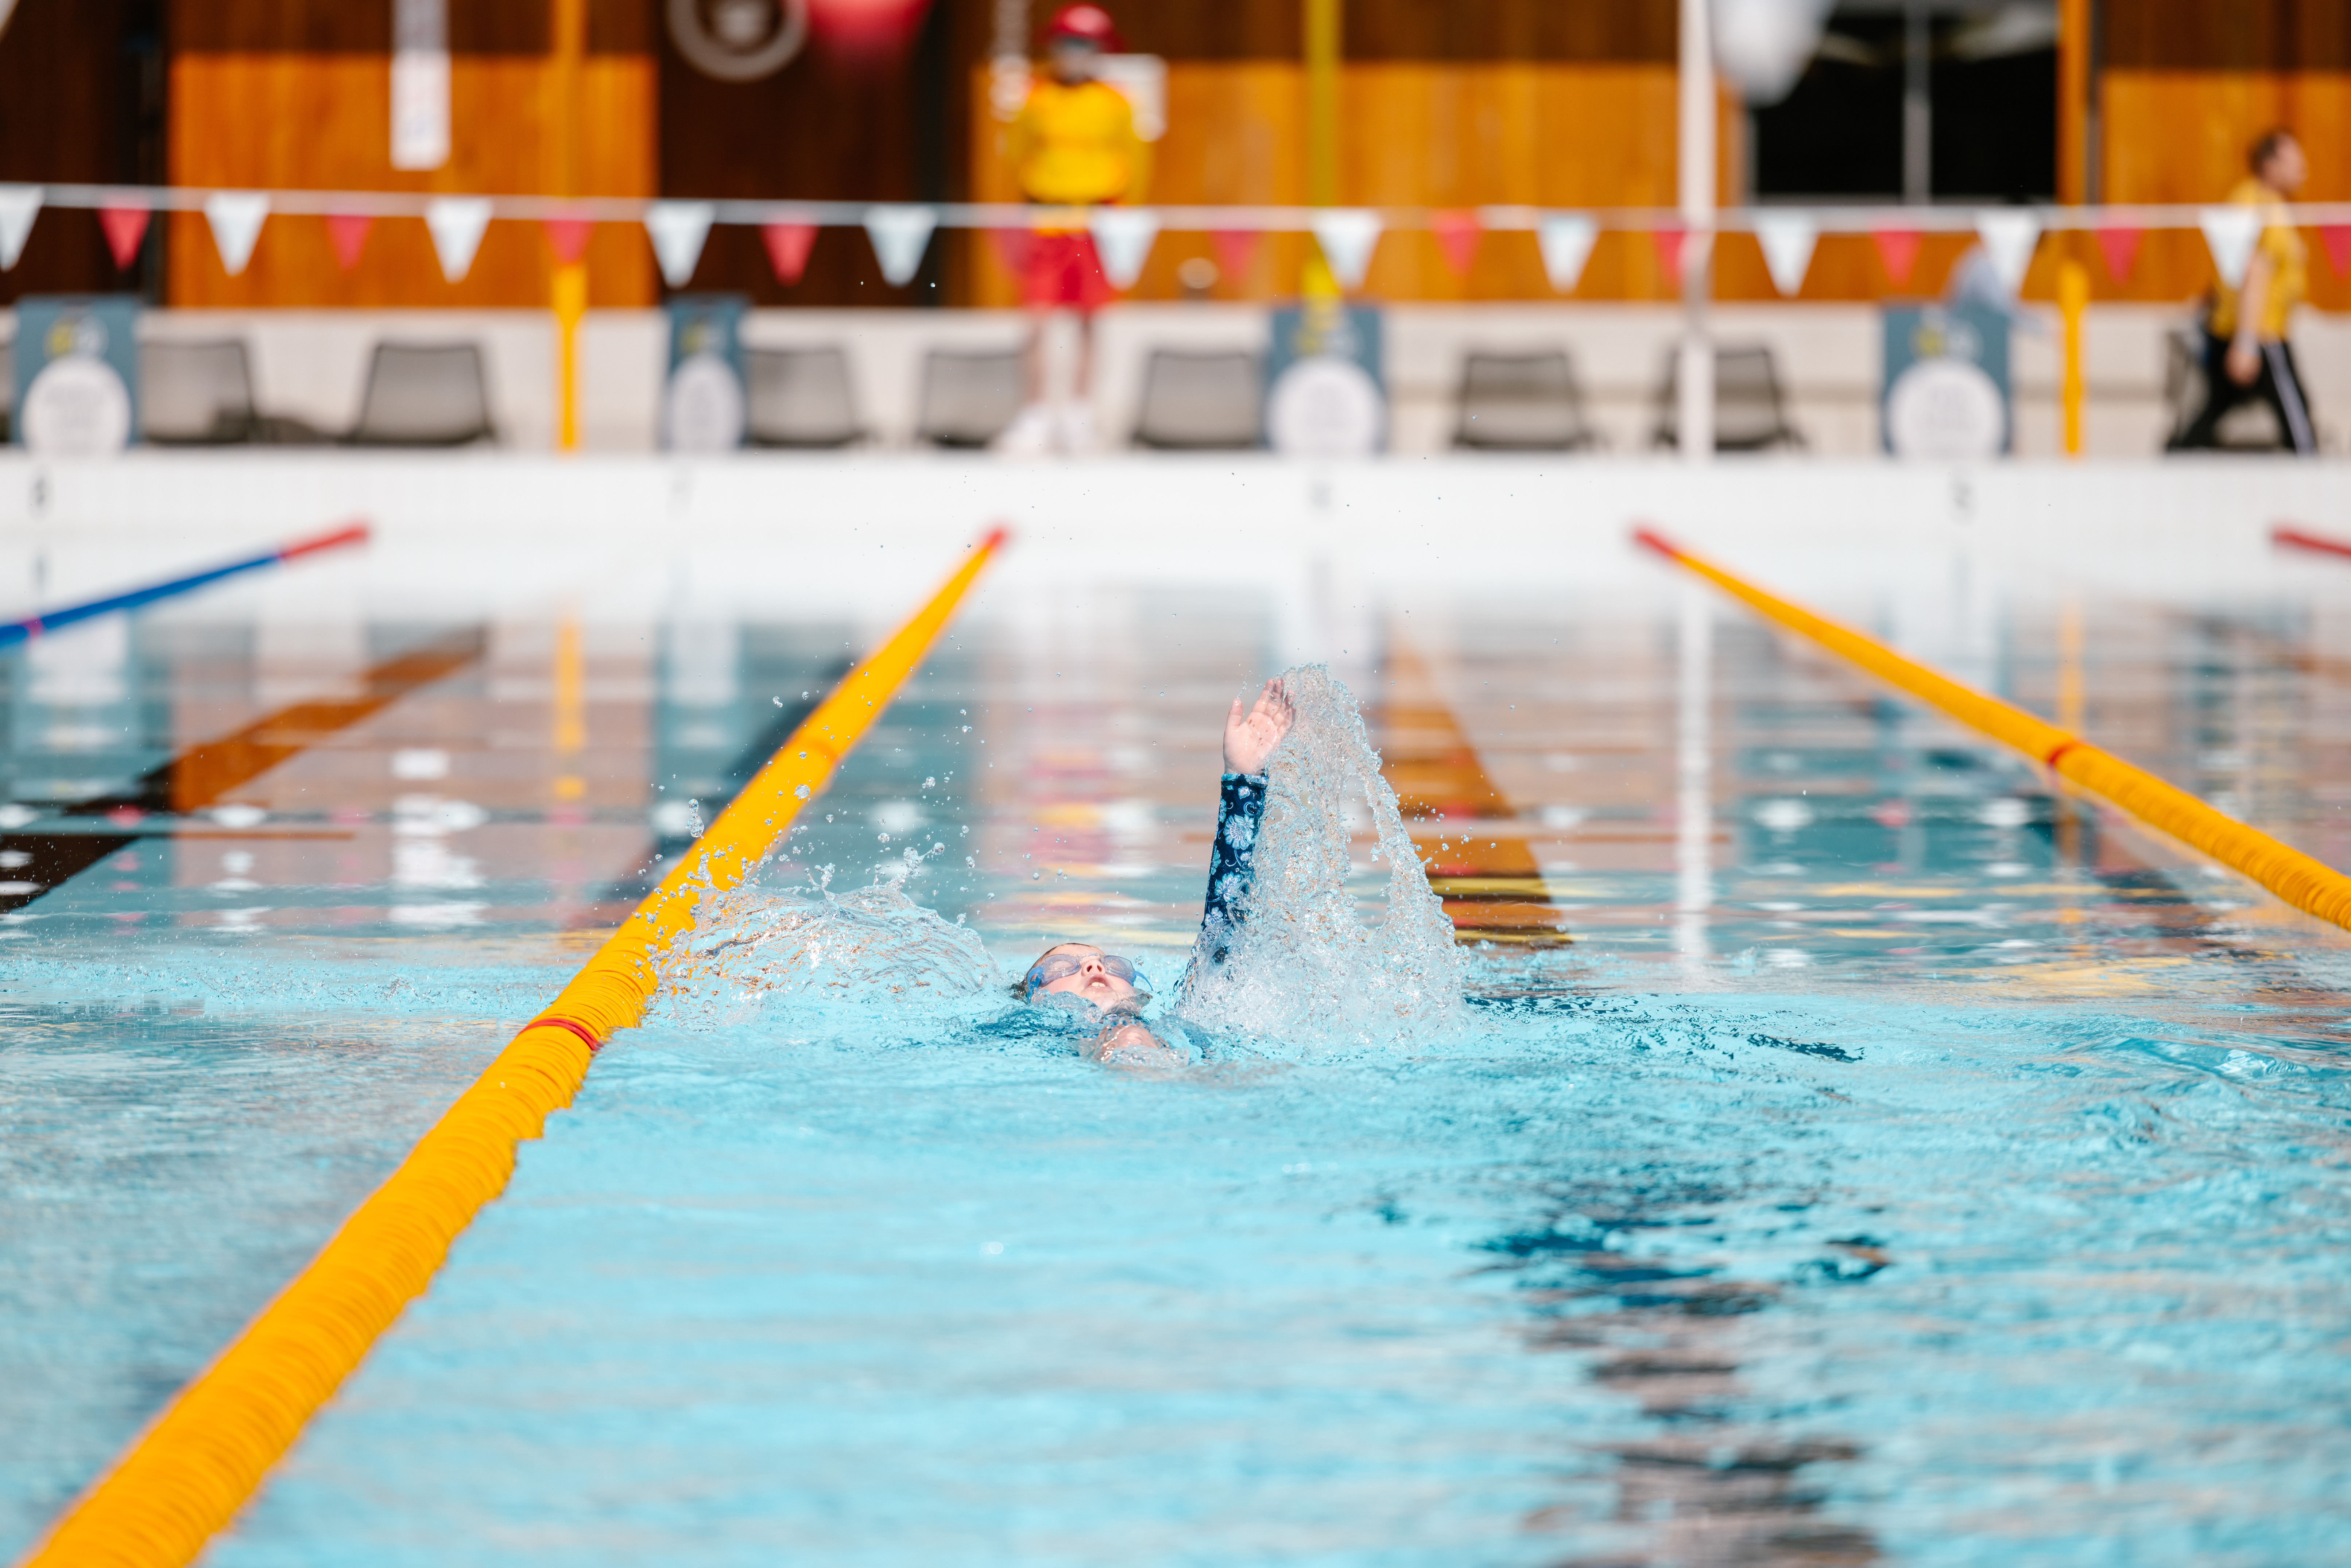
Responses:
[1946,394]
[703,404]
[76,390]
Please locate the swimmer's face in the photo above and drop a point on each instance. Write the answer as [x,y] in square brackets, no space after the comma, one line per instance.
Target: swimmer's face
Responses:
[1095,983]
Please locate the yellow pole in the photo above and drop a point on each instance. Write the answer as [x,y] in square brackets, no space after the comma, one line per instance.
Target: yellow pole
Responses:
[186,1476]
[1322,47]
[2073,301]
[570,288]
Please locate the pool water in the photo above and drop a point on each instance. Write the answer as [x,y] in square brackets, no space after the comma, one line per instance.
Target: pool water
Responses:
[1900,1163]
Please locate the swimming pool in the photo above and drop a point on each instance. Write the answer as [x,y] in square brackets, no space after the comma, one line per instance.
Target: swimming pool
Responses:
[1900,1163]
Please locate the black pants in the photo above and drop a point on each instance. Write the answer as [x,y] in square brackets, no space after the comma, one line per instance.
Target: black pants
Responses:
[2279,384]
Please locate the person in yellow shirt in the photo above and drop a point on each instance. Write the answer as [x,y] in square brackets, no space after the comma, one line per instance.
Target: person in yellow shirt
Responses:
[1073,145]
[2246,354]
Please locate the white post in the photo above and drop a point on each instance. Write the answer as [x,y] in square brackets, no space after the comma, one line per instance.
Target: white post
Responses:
[1697,147]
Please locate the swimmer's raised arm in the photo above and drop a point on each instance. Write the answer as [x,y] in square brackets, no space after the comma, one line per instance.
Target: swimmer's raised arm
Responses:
[1250,737]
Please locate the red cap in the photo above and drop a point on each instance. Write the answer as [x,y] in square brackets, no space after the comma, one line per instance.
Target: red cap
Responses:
[1087,24]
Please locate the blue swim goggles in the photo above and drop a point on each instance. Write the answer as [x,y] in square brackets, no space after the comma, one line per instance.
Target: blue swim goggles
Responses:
[1062,966]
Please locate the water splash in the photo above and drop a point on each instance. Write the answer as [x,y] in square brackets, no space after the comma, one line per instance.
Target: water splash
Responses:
[755,945]
[1306,964]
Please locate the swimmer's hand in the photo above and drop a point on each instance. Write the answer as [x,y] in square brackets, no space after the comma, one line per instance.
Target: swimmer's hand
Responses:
[1133,1045]
[1249,739]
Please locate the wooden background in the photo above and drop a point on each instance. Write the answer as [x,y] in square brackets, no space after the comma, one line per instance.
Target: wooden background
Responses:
[1445,103]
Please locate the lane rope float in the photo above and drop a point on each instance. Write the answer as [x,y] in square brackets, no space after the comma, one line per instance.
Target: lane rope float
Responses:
[2296,537]
[15,631]
[2308,884]
[182,1478]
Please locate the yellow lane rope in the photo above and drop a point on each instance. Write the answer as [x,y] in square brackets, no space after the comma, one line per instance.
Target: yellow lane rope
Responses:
[184,1477]
[2294,876]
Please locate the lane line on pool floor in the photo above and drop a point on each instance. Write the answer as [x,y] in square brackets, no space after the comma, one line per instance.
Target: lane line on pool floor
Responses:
[2308,884]
[185,1476]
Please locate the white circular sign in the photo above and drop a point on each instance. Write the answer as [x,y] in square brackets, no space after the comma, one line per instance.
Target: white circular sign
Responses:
[703,409]
[1325,407]
[76,407]
[1946,410]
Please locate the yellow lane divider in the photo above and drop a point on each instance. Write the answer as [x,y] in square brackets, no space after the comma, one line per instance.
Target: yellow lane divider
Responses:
[183,1479]
[2305,883]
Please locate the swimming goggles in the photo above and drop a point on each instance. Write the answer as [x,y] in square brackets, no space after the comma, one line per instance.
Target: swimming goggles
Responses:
[1062,966]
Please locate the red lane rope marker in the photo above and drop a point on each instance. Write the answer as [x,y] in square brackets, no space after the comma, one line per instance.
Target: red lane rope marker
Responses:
[2302,539]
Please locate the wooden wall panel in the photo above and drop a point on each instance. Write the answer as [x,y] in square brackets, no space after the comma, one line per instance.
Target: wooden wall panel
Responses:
[2182,136]
[72,107]
[304,103]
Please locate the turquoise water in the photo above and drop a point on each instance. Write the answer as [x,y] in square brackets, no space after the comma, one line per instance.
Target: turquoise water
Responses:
[1907,1167]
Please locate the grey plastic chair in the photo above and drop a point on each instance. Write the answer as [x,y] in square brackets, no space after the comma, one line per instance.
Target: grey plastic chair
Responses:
[424,394]
[1200,400]
[1750,411]
[799,397]
[197,394]
[969,397]
[2250,426]
[7,387]
[1522,402]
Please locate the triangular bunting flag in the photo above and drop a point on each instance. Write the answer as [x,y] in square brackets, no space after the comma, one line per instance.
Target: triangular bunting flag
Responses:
[787,249]
[457,224]
[1898,249]
[237,217]
[125,227]
[1122,238]
[2120,248]
[2230,233]
[678,230]
[1347,236]
[19,206]
[1670,254]
[347,232]
[1788,240]
[1013,248]
[900,235]
[1235,252]
[1457,235]
[567,239]
[1565,240]
[2009,240]
[2336,237]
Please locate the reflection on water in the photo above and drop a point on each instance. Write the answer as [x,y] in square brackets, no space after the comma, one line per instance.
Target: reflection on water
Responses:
[1902,1161]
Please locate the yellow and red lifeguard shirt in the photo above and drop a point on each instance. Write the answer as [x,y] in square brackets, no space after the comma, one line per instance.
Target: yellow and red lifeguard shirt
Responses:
[1074,145]
[2289,260]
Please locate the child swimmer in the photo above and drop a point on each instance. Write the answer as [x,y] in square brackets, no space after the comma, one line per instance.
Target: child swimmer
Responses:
[1104,984]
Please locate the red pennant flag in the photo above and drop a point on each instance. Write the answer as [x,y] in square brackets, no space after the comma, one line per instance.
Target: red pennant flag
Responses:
[1669,254]
[1456,234]
[2336,238]
[125,228]
[787,249]
[2120,248]
[568,238]
[347,232]
[1898,249]
[1236,251]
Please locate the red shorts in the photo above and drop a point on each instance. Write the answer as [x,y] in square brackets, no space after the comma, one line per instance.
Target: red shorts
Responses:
[1063,269]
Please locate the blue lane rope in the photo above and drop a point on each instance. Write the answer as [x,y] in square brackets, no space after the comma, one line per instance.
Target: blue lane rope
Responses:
[15,631]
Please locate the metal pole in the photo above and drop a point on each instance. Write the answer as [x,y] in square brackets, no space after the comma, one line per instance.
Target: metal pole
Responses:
[1918,105]
[1696,374]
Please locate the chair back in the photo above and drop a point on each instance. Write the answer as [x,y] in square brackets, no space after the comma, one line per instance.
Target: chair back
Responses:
[1522,401]
[969,396]
[799,397]
[1751,412]
[195,394]
[1200,400]
[424,394]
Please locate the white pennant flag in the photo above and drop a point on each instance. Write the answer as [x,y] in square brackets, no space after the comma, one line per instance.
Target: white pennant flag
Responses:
[1566,241]
[2230,233]
[1122,238]
[679,230]
[457,223]
[2009,240]
[900,235]
[19,206]
[1788,240]
[237,217]
[1347,236]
